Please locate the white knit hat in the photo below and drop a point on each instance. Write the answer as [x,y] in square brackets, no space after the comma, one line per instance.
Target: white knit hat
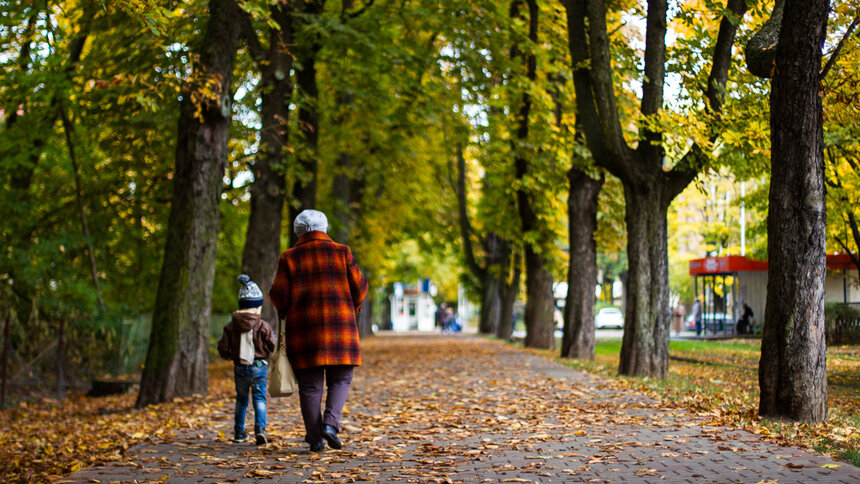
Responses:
[309,221]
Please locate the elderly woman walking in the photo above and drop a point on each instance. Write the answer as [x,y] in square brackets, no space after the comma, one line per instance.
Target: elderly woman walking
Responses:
[317,291]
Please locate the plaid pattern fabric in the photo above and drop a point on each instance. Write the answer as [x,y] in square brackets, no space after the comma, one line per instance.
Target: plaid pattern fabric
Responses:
[317,290]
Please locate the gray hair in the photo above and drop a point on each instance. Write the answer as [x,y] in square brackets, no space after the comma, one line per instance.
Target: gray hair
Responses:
[308,221]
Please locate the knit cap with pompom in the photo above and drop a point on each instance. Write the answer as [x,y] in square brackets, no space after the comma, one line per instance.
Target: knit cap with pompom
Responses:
[250,295]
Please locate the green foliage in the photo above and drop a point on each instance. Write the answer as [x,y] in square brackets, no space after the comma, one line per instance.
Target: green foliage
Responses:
[404,86]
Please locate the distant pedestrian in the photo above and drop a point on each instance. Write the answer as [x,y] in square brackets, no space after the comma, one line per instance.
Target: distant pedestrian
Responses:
[696,311]
[745,323]
[248,340]
[678,317]
[441,311]
[318,289]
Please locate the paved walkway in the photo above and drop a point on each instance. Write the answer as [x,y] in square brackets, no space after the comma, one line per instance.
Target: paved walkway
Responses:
[462,409]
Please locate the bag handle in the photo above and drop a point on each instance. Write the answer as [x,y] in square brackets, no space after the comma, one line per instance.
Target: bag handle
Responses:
[281,327]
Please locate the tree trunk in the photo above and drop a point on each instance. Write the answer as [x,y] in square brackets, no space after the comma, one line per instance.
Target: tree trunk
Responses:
[342,193]
[648,186]
[263,238]
[645,346]
[365,317]
[68,129]
[305,185]
[5,362]
[508,295]
[178,355]
[578,338]
[61,377]
[792,370]
[490,304]
[540,305]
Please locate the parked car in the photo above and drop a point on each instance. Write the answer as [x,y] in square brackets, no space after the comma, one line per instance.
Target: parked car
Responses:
[711,322]
[609,318]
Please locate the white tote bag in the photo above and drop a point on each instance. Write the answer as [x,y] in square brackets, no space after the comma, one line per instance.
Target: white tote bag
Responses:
[282,380]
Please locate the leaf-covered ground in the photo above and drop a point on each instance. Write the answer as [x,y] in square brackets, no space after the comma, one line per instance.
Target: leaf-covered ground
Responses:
[719,380]
[422,409]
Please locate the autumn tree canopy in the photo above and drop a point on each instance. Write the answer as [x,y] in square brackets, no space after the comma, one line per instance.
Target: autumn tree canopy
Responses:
[153,151]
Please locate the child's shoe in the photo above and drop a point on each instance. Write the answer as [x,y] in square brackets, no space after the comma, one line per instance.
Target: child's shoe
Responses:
[240,436]
[261,439]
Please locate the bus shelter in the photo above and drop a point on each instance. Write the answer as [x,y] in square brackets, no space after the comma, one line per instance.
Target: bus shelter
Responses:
[725,284]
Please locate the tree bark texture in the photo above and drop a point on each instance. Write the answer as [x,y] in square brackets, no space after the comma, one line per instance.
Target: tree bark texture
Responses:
[263,237]
[578,336]
[509,288]
[649,188]
[760,51]
[177,359]
[540,305]
[508,292]
[645,345]
[490,304]
[792,370]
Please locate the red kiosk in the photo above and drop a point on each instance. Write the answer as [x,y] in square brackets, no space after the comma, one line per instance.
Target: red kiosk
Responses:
[724,284]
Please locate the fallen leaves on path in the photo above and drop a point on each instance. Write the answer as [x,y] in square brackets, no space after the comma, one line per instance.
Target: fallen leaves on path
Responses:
[421,409]
[43,440]
[727,394]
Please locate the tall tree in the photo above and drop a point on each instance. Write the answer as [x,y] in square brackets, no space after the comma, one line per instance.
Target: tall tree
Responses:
[649,187]
[32,113]
[793,366]
[275,61]
[495,251]
[309,43]
[578,334]
[540,308]
[178,355]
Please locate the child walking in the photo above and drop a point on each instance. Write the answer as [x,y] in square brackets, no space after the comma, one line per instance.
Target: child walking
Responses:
[248,341]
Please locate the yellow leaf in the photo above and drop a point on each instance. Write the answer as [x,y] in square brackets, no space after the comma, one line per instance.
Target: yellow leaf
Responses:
[831,466]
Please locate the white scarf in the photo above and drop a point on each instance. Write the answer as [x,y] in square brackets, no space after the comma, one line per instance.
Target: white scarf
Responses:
[246,347]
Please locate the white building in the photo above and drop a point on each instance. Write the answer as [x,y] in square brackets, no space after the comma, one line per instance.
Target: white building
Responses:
[412,310]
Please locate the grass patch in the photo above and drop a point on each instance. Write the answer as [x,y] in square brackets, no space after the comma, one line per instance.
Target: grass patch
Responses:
[723,387]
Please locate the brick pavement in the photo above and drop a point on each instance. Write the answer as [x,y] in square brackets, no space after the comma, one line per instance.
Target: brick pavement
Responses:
[463,409]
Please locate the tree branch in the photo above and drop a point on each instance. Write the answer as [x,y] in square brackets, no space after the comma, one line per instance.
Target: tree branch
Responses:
[835,54]
[604,91]
[252,41]
[587,116]
[686,170]
[855,232]
[760,51]
[854,257]
[465,226]
[344,15]
[651,142]
[68,129]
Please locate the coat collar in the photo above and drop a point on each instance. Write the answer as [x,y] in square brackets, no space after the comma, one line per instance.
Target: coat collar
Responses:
[313,235]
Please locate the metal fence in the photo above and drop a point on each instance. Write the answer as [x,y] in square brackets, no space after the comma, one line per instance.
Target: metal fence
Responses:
[135,341]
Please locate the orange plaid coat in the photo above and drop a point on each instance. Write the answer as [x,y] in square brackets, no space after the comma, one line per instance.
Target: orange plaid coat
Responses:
[317,290]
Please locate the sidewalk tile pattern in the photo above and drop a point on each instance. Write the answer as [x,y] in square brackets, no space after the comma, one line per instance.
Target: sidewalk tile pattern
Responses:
[462,409]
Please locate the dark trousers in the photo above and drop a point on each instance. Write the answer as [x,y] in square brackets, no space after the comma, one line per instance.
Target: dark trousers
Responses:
[338,380]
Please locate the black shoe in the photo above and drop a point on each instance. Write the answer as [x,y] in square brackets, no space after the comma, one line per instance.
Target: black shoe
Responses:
[318,447]
[240,436]
[261,439]
[329,433]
